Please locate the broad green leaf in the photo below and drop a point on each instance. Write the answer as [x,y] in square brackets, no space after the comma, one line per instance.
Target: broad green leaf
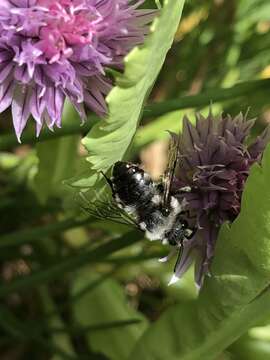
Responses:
[250,348]
[104,304]
[108,140]
[235,297]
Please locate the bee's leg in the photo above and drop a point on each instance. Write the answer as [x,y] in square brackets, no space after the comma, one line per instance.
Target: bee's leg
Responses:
[179,255]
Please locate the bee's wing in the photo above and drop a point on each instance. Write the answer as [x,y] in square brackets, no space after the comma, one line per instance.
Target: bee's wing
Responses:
[173,153]
[106,208]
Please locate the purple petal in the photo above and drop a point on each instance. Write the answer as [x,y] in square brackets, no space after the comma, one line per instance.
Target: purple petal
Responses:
[37,105]
[5,69]
[80,109]
[185,259]
[6,93]
[260,143]
[96,102]
[54,103]
[20,109]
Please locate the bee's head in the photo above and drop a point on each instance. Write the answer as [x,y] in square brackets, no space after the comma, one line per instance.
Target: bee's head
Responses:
[122,168]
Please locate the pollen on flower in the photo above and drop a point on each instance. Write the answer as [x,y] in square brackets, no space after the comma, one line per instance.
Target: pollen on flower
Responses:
[53,49]
[68,25]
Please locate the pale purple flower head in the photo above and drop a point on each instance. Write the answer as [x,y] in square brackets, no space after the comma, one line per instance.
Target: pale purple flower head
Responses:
[214,163]
[53,49]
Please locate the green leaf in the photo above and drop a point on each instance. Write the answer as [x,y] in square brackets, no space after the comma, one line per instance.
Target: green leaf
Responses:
[235,297]
[108,140]
[107,304]
[250,348]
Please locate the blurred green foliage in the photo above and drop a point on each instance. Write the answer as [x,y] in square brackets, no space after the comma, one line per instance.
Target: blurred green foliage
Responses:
[73,287]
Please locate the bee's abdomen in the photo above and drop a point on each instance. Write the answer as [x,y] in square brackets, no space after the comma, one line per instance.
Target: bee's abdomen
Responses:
[132,187]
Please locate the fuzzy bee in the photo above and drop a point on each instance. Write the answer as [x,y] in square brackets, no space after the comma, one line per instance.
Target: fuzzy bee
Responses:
[152,207]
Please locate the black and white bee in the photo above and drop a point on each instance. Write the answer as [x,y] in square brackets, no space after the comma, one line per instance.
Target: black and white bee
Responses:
[152,207]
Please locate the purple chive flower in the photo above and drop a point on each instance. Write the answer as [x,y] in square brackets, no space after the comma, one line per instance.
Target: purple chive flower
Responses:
[213,166]
[53,49]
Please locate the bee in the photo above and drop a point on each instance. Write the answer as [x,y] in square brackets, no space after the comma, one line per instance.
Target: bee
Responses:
[153,208]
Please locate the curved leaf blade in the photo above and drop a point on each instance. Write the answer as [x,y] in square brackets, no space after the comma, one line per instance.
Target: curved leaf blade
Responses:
[107,304]
[108,140]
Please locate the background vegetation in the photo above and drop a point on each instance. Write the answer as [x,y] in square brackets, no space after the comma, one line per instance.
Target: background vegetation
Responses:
[73,287]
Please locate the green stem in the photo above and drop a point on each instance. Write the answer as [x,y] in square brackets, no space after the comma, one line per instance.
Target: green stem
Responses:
[212,95]
[39,232]
[70,263]
[75,330]
[8,141]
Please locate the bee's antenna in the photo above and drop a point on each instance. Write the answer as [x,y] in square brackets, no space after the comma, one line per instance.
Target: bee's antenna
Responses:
[108,180]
